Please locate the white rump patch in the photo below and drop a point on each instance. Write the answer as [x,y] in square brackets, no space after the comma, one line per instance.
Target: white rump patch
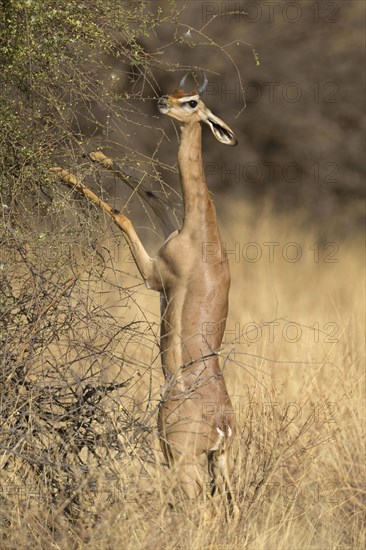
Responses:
[218,443]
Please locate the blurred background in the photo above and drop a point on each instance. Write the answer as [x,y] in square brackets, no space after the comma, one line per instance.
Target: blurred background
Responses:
[287,77]
[301,132]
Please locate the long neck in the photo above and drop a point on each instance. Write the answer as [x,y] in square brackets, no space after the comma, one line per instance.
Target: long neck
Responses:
[196,196]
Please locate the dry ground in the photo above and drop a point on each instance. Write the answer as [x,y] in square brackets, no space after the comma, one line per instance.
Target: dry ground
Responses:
[294,363]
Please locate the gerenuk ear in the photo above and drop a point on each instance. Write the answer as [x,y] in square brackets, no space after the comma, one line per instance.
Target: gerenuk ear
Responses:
[220,130]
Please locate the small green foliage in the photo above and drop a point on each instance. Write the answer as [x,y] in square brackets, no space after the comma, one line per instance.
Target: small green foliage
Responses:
[41,38]
[51,56]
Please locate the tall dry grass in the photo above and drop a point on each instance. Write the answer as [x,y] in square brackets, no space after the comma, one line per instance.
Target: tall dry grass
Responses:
[293,359]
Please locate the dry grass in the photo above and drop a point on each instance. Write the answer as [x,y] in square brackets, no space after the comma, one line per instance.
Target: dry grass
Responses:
[299,462]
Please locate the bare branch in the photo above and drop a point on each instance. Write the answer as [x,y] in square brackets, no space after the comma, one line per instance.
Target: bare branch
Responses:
[157,205]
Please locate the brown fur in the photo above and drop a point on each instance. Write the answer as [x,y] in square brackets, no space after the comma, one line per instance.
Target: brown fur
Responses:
[196,417]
